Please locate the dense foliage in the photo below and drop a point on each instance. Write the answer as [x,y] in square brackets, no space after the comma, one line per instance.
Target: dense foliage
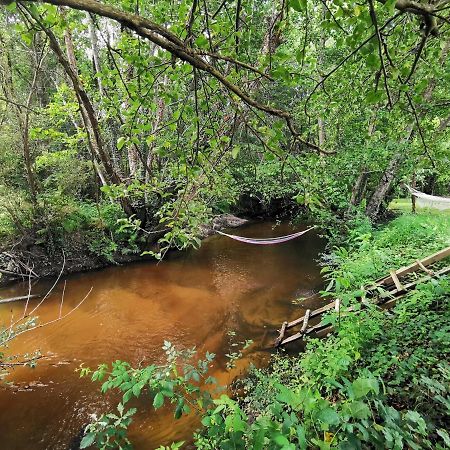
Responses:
[179,110]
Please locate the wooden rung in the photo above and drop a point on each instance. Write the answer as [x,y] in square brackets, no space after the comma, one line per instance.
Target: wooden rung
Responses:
[281,335]
[428,271]
[397,283]
[438,256]
[314,313]
[305,321]
[298,335]
[337,305]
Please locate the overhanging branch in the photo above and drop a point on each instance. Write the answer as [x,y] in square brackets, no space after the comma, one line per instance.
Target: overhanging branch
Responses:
[170,42]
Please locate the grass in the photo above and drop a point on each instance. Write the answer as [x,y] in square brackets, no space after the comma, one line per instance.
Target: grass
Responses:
[400,204]
[405,205]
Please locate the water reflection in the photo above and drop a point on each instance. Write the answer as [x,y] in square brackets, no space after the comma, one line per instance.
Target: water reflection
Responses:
[193,299]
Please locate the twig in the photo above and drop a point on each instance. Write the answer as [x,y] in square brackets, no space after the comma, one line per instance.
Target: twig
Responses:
[62,298]
[416,59]
[373,16]
[50,321]
[48,293]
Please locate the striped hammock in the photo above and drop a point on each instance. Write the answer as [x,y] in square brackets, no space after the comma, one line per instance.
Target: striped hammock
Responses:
[429,201]
[268,241]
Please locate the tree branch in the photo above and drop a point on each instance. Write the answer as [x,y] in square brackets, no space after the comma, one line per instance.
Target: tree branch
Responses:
[170,42]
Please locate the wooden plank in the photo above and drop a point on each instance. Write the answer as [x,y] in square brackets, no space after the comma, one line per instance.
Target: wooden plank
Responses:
[315,313]
[397,283]
[438,256]
[16,299]
[281,335]
[294,337]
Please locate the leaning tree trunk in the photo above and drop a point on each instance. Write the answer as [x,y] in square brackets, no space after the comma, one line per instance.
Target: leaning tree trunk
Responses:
[375,202]
[360,187]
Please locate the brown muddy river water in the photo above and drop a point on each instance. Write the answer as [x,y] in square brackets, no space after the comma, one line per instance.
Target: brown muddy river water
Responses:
[223,293]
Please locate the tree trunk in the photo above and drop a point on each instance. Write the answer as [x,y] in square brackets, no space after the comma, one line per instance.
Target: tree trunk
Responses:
[86,108]
[360,187]
[95,51]
[375,202]
[320,61]
[373,207]
[156,124]
[134,161]
[23,113]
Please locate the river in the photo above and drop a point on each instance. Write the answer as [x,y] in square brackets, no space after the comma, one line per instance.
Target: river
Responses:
[223,293]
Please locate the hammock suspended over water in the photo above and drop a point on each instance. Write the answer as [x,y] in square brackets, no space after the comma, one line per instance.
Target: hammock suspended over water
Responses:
[268,241]
[429,201]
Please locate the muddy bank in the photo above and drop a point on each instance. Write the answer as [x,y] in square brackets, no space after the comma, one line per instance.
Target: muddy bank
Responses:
[26,258]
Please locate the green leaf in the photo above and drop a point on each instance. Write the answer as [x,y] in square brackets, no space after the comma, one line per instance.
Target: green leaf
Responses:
[299,55]
[299,5]
[121,142]
[359,410]
[372,61]
[158,401]
[280,440]
[88,440]
[444,435]
[137,390]
[301,435]
[328,416]
[201,41]
[374,97]
[11,7]
[235,151]
[362,386]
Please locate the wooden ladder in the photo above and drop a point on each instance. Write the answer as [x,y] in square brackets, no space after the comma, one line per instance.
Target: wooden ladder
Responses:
[393,289]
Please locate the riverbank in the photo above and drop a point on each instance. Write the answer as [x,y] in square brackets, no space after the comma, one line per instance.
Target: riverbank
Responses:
[85,250]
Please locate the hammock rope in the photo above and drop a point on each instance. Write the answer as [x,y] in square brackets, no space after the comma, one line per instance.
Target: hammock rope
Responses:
[266,241]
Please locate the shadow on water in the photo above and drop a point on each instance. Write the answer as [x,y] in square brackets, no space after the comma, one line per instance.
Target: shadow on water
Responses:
[192,299]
